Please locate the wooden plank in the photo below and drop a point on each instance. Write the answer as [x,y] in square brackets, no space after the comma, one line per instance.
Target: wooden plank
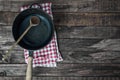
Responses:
[83,55]
[91,57]
[74,44]
[62,78]
[86,19]
[64,44]
[65,70]
[94,56]
[90,32]
[72,19]
[66,6]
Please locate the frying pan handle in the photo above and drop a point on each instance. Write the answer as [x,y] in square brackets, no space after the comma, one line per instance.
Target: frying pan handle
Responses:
[29,69]
[35,4]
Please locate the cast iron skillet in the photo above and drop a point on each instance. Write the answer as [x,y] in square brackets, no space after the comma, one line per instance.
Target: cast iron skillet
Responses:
[38,36]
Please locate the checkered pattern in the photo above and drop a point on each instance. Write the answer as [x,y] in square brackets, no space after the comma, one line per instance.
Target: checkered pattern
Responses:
[49,55]
[45,7]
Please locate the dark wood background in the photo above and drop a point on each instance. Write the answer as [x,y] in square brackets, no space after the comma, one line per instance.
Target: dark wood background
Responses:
[88,36]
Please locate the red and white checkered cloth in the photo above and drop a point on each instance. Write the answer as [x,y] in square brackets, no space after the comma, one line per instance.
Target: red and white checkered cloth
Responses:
[49,55]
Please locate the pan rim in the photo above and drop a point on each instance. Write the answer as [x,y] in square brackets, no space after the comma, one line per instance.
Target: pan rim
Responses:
[26,13]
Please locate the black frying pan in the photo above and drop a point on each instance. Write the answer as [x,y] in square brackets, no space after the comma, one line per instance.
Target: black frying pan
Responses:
[37,36]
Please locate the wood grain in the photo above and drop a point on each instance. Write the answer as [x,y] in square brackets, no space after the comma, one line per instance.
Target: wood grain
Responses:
[72,19]
[70,44]
[66,6]
[76,44]
[88,38]
[85,56]
[78,32]
[65,70]
[62,78]
[87,19]
[91,32]
[94,52]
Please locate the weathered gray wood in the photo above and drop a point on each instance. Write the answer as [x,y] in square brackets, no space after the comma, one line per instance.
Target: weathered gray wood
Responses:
[90,32]
[77,50]
[106,38]
[87,19]
[105,44]
[91,44]
[81,56]
[72,19]
[92,57]
[68,44]
[6,18]
[13,78]
[66,6]
[87,49]
[62,78]
[84,69]
[76,44]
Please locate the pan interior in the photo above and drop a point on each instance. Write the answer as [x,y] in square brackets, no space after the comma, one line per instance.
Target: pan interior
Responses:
[38,35]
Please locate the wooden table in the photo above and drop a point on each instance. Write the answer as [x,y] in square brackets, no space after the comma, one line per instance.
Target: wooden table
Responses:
[88,36]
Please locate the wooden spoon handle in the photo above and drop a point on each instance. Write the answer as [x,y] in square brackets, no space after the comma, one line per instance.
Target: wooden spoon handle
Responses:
[29,69]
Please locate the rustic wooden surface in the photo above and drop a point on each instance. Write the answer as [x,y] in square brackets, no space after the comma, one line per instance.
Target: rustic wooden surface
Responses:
[88,36]
[62,78]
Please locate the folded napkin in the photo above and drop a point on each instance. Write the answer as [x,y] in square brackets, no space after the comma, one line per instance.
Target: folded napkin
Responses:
[49,55]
